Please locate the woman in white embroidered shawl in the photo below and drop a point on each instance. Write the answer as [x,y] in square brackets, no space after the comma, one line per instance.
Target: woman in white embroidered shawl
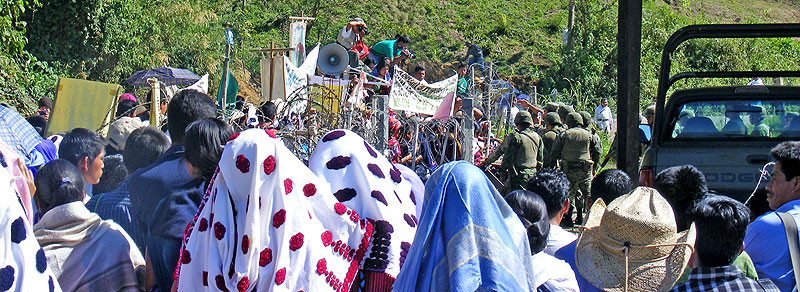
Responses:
[23,266]
[367,182]
[84,252]
[269,224]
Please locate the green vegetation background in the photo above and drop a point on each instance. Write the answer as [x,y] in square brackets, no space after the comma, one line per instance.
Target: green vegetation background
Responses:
[107,40]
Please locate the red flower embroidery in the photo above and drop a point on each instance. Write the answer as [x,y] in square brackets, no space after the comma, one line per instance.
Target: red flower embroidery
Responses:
[205,278]
[203,225]
[288,185]
[243,284]
[219,230]
[340,208]
[280,276]
[245,244]
[322,266]
[278,218]
[242,163]
[269,164]
[265,258]
[221,283]
[186,257]
[271,133]
[327,238]
[296,241]
[309,190]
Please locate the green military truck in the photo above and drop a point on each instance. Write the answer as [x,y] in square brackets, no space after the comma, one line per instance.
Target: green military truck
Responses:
[726,132]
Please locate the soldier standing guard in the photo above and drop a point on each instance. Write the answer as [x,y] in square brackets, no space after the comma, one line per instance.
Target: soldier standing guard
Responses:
[575,151]
[522,154]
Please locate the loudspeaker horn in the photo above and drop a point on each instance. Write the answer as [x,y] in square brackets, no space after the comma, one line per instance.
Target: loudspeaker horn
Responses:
[333,59]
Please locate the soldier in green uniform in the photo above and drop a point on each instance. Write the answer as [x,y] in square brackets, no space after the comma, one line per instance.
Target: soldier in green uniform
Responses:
[564,110]
[522,154]
[576,151]
[551,131]
[588,125]
[757,118]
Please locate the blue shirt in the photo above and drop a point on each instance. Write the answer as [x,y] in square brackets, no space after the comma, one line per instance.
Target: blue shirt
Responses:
[567,254]
[116,206]
[765,242]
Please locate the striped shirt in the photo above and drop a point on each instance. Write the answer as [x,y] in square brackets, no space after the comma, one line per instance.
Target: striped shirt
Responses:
[723,279]
[116,206]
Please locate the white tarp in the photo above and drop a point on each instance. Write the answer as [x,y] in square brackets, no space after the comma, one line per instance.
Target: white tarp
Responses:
[408,94]
[297,77]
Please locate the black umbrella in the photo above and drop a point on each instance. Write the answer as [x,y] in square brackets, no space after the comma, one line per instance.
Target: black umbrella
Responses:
[166,75]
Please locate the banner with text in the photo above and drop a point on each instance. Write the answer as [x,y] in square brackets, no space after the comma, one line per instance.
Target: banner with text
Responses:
[408,94]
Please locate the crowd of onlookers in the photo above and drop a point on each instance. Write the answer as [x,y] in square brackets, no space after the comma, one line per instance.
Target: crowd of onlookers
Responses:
[199,207]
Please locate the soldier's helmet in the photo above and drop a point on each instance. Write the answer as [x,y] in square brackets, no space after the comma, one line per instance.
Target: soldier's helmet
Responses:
[564,110]
[551,107]
[650,111]
[587,118]
[574,119]
[552,118]
[523,117]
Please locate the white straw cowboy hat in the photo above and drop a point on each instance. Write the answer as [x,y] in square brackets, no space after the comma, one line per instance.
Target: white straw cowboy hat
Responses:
[632,245]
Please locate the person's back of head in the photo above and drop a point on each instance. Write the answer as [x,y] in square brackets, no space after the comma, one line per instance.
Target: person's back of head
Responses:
[268,109]
[38,122]
[721,224]
[532,211]
[143,147]
[57,183]
[681,186]
[80,146]
[610,184]
[114,172]
[125,107]
[204,144]
[186,107]
[553,187]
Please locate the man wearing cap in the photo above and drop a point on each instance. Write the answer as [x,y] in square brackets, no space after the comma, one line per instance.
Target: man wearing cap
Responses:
[757,118]
[602,115]
[352,37]
[118,132]
[765,240]
[575,153]
[521,151]
[735,125]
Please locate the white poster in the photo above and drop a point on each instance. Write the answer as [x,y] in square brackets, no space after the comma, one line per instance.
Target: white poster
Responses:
[408,94]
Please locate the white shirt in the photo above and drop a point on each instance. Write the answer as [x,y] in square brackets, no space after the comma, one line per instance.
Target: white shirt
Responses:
[553,273]
[346,38]
[558,238]
[603,118]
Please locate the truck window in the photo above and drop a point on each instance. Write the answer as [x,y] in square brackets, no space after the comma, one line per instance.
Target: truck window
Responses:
[739,119]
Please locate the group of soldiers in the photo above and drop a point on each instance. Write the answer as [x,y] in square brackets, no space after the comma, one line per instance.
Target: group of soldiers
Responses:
[543,142]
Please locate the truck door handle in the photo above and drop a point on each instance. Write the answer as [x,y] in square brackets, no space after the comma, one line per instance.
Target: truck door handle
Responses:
[757,159]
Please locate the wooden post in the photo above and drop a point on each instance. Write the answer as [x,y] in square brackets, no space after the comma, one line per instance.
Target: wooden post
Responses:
[629,40]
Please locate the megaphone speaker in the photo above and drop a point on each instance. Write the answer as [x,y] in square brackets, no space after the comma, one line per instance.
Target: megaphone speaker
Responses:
[333,59]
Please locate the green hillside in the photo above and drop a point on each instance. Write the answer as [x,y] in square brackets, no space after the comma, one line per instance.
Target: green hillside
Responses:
[107,40]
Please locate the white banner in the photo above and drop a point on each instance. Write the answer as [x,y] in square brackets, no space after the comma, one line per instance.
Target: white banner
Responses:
[297,78]
[297,40]
[408,94]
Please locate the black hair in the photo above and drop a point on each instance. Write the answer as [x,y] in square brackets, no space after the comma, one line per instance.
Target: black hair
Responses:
[57,183]
[721,224]
[681,186]
[203,142]
[38,122]
[80,143]
[553,186]
[382,63]
[114,173]
[402,39]
[368,61]
[461,65]
[125,107]
[419,68]
[186,107]
[532,211]
[610,184]
[143,147]
[268,109]
[788,154]
[758,204]
[45,102]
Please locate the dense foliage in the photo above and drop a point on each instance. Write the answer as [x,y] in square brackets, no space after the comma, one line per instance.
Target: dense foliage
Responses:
[107,40]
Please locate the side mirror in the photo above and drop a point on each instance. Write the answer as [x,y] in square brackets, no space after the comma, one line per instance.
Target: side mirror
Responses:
[644,134]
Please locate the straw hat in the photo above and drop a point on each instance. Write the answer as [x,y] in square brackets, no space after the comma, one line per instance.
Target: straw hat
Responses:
[632,244]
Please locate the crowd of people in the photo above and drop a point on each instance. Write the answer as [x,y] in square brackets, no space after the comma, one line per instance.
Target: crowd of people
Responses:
[202,207]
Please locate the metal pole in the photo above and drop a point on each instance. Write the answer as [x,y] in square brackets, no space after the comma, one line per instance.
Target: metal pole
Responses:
[416,142]
[225,68]
[466,144]
[629,38]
